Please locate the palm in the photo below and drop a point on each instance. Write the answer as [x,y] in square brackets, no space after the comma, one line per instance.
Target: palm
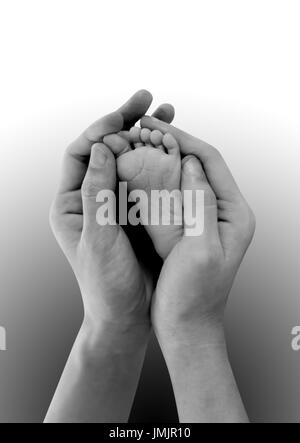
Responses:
[112,280]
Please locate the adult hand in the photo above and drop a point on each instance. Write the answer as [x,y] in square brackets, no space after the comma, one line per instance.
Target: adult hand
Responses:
[114,286]
[203,267]
[100,379]
[192,290]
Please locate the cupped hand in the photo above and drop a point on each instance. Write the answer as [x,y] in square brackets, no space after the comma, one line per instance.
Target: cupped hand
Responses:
[116,288]
[197,276]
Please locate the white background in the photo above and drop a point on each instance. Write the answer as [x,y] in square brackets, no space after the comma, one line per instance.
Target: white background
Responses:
[231,68]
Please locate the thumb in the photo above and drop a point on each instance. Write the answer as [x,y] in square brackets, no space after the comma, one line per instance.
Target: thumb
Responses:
[200,204]
[100,176]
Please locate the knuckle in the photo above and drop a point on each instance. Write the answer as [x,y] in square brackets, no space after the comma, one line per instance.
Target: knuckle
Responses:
[89,188]
[213,258]
[209,257]
[251,221]
[71,150]
[214,152]
[54,214]
[247,223]
[209,196]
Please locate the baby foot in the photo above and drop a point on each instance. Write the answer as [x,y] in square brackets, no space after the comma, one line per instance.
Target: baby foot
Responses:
[150,161]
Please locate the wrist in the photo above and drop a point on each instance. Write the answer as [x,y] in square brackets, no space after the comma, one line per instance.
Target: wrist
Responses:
[190,335]
[204,385]
[118,337]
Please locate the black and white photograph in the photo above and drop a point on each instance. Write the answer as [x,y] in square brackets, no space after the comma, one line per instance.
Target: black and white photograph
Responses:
[150,244]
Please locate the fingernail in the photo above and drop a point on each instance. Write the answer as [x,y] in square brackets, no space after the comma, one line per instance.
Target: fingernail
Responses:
[101,158]
[192,166]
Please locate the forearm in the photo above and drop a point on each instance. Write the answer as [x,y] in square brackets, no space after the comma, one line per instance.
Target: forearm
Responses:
[101,376]
[203,382]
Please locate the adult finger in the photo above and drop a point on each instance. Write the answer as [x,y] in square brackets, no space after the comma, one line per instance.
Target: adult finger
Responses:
[165,113]
[77,155]
[216,170]
[200,203]
[100,175]
[135,108]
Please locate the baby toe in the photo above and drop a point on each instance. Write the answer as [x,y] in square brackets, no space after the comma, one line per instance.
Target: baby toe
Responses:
[156,137]
[135,135]
[171,145]
[145,135]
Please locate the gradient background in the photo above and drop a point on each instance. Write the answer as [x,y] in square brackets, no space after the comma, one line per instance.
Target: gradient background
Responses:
[232,71]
